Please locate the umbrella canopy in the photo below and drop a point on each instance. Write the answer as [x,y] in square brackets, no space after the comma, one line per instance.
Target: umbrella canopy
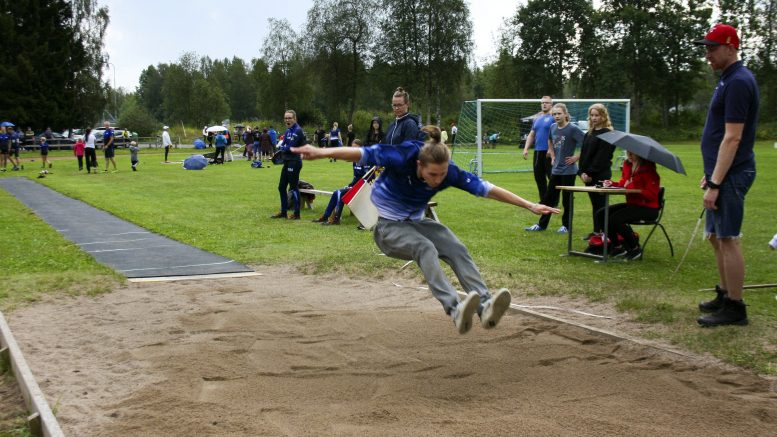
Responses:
[195,162]
[7,124]
[217,128]
[644,147]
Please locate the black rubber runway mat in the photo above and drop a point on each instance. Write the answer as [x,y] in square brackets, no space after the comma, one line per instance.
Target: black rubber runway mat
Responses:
[121,245]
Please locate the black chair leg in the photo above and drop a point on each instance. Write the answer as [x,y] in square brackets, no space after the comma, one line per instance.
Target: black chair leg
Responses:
[671,248]
[644,243]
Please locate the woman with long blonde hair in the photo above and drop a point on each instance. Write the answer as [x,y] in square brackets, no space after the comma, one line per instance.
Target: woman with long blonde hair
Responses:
[596,158]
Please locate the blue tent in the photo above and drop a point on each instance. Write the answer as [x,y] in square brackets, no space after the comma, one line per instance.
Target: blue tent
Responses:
[199,144]
[195,162]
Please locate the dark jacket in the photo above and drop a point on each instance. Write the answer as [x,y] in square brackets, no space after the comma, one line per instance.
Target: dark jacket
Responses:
[404,128]
[596,156]
[373,137]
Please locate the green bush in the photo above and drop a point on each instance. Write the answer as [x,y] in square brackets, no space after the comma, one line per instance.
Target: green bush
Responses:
[137,119]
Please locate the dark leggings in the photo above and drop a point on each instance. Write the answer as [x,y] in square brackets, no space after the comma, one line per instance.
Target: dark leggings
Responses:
[597,203]
[167,150]
[221,151]
[552,195]
[621,215]
[91,158]
[542,169]
[290,178]
[80,162]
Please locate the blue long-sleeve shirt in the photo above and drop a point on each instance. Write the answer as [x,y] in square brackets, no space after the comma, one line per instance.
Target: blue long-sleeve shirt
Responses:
[358,172]
[399,194]
[293,137]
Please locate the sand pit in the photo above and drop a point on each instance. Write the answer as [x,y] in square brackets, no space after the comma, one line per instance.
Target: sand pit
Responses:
[289,354]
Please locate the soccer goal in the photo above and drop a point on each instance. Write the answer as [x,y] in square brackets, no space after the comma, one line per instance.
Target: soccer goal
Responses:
[492,132]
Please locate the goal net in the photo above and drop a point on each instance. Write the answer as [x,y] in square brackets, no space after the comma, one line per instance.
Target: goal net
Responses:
[492,132]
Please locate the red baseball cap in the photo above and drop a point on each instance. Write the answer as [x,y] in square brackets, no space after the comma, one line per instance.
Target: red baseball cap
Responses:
[720,35]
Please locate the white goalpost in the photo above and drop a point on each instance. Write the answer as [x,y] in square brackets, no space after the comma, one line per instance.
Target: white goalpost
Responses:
[492,132]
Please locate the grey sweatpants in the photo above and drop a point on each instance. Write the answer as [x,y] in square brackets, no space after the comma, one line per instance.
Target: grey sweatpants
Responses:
[427,242]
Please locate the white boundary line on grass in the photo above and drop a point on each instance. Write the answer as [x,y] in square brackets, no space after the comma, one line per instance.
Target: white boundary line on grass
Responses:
[191,277]
[598,331]
[42,420]
[180,267]
[523,310]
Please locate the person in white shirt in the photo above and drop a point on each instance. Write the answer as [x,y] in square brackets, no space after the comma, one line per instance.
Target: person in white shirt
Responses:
[90,151]
[166,142]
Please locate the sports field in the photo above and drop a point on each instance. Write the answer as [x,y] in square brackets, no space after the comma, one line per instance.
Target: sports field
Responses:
[342,295]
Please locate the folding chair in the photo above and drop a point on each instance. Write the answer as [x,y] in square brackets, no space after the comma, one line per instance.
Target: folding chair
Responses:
[656,223]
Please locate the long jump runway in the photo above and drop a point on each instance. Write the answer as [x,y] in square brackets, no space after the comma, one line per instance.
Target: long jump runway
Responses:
[121,245]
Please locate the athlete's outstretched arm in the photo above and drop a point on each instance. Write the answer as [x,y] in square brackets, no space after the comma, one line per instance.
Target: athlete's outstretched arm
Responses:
[502,195]
[309,152]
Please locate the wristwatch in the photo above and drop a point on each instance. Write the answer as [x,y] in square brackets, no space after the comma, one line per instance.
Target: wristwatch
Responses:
[712,185]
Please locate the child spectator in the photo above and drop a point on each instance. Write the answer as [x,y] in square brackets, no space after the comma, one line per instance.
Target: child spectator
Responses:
[134,155]
[44,152]
[565,139]
[78,151]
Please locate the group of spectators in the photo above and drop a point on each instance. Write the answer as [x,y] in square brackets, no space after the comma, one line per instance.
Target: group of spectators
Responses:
[10,144]
[727,148]
[85,150]
[259,143]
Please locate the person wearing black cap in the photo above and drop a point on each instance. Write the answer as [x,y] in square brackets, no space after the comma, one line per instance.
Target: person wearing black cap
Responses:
[729,171]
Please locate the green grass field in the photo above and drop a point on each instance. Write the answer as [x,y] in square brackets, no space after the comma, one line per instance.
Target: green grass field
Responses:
[225,209]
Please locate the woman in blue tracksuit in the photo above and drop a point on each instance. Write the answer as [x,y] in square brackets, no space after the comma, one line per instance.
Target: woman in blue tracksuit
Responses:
[414,172]
[292,165]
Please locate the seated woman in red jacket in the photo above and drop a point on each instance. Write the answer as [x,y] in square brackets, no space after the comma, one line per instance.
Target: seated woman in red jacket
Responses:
[638,173]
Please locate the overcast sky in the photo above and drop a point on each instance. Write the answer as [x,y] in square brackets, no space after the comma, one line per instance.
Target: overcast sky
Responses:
[145,32]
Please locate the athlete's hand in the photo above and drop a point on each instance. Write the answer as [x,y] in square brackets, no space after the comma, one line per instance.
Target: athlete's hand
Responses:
[541,209]
[308,152]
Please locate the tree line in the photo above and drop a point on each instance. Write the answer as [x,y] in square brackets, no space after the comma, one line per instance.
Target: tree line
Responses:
[350,54]
[51,61]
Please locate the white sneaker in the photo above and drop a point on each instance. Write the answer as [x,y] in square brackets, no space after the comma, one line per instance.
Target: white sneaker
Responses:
[533,228]
[494,308]
[462,316]
[562,230]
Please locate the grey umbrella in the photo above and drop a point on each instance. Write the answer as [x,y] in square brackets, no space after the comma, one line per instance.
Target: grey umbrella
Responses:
[644,147]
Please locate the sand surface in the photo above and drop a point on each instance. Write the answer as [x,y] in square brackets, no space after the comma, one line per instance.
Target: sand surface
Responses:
[291,354]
